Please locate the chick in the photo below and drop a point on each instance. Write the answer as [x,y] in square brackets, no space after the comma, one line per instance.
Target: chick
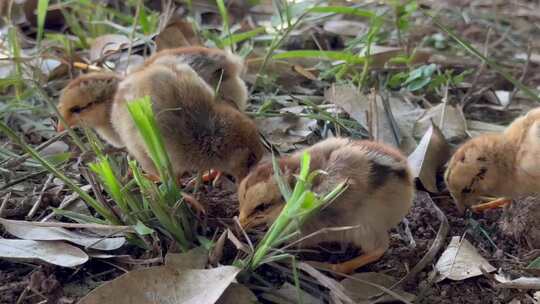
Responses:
[524,132]
[87,100]
[483,166]
[198,133]
[379,195]
[220,69]
[502,165]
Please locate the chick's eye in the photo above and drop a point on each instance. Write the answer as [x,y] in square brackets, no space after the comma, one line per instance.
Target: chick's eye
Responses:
[76,110]
[261,208]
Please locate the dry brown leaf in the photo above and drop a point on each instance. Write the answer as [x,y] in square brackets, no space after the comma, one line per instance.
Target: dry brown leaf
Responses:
[476,127]
[357,105]
[288,293]
[164,285]
[31,231]
[337,290]
[431,153]
[519,283]
[454,125]
[460,261]
[361,292]
[217,251]
[346,27]
[196,258]
[237,294]
[53,252]
[107,44]
[286,129]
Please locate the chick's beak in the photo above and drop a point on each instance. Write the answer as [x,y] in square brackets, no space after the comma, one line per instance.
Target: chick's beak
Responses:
[60,127]
[244,221]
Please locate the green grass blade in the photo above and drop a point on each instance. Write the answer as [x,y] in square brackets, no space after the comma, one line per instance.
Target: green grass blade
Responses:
[225,18]
[143,116]
[79,217]
[43,6]
[331,55]
[343,10]
[284,187]
[235,38]
[144,20]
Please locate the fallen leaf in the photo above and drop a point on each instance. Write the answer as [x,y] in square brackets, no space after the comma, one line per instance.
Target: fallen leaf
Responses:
[53,252]
[196,258]
[288,293]
[461,261]
[238,294]
[519,283]
[523,56]
[432,152]
[286,129]
[477,127]
[361,292]
[337,290]
[164,284]
[357,105]
[107,44]
[345,27]
[55,148]
[31,231]
[503,97]
[216,253]
[128,63]
[454,125]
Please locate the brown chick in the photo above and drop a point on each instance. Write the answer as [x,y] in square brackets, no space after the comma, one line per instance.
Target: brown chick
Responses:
[87,100]
[220,69]
[379,195]
[483,166]
[502,165]
[199,134]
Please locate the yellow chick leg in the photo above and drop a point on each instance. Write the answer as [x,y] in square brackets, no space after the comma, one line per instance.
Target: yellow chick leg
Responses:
[351,265]
[500,202]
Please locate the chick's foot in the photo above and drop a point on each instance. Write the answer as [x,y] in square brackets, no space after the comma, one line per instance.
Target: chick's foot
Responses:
[500,202]
[351,265]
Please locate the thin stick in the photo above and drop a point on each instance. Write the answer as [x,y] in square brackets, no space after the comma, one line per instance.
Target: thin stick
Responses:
[22,179]
[21,158]
[523,74]
[36,205]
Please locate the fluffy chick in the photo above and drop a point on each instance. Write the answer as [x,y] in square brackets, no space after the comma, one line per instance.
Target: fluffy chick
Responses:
[379,195]
[87,100]
[220,69]
[503,165]
[483,166]
[198,133]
